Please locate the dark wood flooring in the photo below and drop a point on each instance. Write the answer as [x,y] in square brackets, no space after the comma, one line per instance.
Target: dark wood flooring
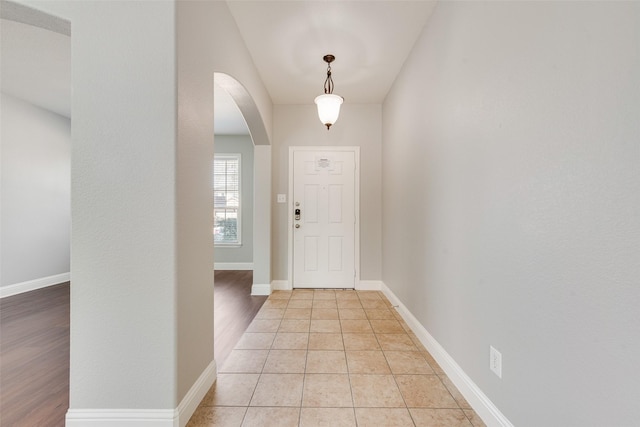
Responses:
[34,346]
[34,353]
[234,309]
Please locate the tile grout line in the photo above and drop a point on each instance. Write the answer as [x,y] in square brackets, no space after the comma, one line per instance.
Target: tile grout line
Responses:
[346,361]
[303,378]
[263,365]
[397,385]
[390,370]
[304,375]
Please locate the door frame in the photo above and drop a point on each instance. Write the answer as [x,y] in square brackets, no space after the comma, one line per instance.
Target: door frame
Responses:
[290,201]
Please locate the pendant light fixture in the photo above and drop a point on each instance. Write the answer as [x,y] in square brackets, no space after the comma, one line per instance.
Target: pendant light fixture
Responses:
[328,104]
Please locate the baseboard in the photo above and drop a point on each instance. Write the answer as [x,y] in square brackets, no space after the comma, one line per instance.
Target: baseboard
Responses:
[32,285]
[260,289]
[233,266]
[369,285]
[483,406]
[196,393]
[280,285]
[147,417]
[122,418]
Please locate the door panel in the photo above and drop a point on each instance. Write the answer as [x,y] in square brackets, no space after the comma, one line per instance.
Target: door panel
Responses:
[335,204]
[311,203]
[324,236]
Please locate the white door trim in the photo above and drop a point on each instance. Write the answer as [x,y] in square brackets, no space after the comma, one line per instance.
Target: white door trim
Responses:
[356,151]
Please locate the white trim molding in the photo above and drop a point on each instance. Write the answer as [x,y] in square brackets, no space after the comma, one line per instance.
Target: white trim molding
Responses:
[258,289]
[122,418]
[196,393]
[32,285]
[479,401]
[233,266]
[281,285]
[147,417]
[369,285]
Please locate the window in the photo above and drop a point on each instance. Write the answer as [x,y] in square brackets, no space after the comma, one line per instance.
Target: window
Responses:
[226,199]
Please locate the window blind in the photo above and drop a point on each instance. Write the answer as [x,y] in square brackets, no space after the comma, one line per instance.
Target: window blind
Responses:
[226,199]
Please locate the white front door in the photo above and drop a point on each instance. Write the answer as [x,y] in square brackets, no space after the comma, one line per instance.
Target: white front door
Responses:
[324,218]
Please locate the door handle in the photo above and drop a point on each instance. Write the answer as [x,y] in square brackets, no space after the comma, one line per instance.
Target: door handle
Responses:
[297,225]
[297,214]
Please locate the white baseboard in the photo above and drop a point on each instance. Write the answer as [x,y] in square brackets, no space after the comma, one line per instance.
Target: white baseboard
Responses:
[196,393]
[32,285]
[147,417]
[122,418]
[233,266]
[260,289]
[281,285]
[369,285]
[483,406]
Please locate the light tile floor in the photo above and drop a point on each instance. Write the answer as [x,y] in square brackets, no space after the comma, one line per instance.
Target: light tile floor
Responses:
[331,358]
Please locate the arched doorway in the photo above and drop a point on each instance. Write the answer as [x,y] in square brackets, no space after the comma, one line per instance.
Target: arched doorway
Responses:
[261,179]
[241,215]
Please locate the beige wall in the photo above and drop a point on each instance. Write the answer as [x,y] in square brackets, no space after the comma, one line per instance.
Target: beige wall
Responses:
[194,195]
[511,202]
[358,125]
[35,193]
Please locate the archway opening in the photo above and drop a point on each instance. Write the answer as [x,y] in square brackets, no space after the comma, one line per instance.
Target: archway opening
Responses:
[241,177]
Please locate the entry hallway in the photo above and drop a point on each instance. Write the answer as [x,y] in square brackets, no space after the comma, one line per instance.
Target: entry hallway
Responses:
[331,358]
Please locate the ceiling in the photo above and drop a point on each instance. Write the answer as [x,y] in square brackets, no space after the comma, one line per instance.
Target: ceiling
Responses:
[286,39]
[370,40]
[36,66]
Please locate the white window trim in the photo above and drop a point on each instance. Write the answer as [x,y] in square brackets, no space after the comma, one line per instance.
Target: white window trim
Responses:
[237,156]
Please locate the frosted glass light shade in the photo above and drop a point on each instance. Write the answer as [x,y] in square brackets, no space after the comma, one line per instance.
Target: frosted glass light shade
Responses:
[328,108]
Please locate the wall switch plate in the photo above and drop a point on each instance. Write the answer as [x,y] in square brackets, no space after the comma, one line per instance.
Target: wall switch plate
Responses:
[282,198]
[495,361]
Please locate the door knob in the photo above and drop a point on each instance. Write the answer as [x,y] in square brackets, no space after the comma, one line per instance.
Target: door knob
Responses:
[297,225]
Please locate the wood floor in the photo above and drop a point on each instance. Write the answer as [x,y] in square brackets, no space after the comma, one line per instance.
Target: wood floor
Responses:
[34,350]
[34,346]
[234,309]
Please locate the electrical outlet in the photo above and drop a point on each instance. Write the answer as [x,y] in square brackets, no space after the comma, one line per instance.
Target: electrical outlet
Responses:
[495,361]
